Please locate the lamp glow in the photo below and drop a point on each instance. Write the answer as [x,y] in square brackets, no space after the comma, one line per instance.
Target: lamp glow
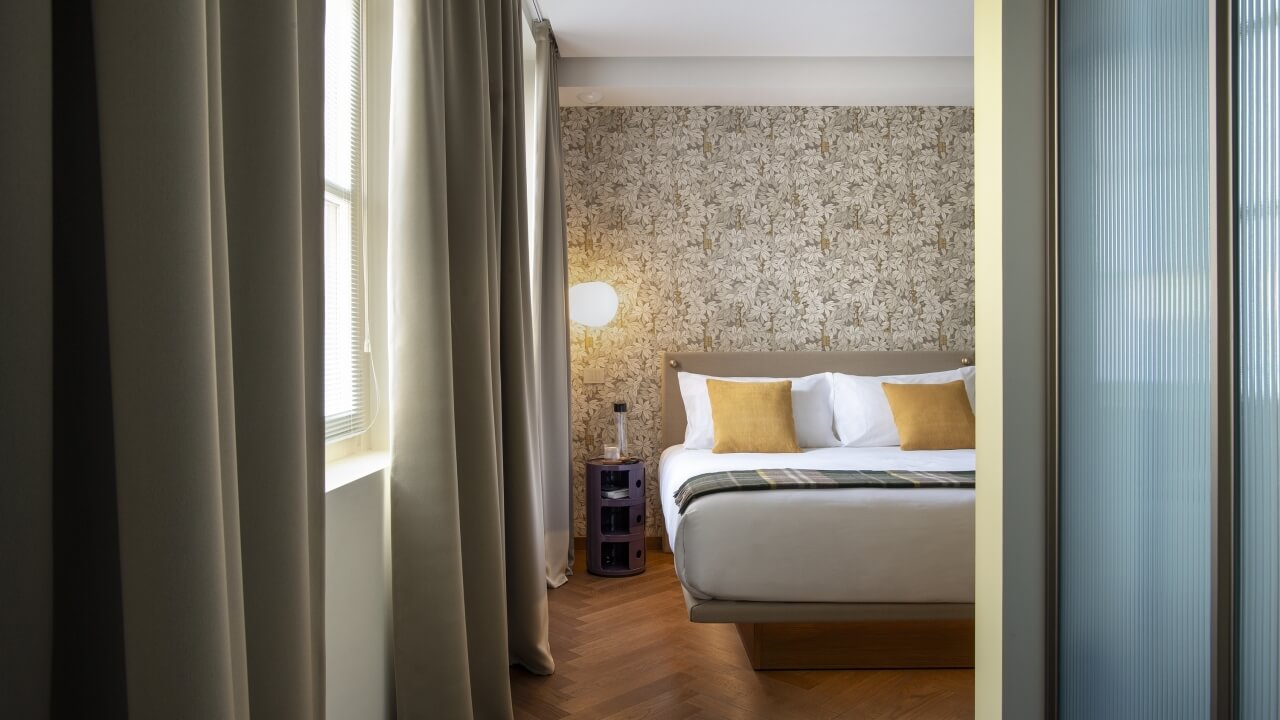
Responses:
[593,303]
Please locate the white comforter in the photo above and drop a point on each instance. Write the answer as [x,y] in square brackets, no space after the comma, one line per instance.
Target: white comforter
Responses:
[827,545]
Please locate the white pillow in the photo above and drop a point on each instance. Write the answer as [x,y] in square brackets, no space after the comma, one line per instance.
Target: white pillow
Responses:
[863,416]
[810,404]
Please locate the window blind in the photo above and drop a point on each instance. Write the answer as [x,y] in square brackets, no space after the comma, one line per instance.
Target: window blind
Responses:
[346,364]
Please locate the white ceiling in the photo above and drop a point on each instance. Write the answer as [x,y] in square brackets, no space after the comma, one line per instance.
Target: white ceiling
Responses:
[761,28]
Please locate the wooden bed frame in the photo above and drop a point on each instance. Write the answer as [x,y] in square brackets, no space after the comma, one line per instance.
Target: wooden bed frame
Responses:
[803,635]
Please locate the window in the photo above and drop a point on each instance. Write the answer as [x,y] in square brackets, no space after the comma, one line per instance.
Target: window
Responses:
[345,342]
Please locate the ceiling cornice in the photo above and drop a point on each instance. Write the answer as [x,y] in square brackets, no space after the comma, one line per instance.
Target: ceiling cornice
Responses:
[768,81]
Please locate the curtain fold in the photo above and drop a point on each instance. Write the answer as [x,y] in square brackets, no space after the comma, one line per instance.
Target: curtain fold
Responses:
[187,471]
[26,376]
[469,586]
[550,292]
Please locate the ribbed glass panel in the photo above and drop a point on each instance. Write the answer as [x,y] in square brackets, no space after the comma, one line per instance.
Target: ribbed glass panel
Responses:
[1258,223]
[1135,351]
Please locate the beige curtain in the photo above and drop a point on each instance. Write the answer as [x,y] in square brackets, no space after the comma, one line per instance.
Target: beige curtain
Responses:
[469,587]
[551,307]
[26,361]
[185,468]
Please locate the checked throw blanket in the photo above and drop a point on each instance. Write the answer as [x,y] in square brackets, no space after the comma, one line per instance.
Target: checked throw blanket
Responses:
[790,479]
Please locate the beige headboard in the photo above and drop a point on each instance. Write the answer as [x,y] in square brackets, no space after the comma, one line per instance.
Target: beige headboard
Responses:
[787,364]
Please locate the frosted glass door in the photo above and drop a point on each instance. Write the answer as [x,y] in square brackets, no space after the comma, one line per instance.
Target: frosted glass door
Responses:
[1258,232]
[1135,341]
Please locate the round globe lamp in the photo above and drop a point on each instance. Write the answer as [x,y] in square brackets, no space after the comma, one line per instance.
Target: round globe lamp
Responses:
[592,303]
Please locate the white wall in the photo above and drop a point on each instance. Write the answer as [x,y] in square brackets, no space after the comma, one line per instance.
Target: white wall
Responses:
[358,669]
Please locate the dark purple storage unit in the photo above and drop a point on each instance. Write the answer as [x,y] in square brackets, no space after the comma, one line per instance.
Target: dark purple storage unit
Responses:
[615,526]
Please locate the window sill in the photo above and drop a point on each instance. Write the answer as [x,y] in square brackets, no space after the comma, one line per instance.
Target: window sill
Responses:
[350,468]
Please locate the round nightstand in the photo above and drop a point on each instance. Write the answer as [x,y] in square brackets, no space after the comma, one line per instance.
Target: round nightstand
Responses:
[615,518]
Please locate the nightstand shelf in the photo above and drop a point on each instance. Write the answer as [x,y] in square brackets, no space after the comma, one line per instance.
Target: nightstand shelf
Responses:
[615,526]
[624,502]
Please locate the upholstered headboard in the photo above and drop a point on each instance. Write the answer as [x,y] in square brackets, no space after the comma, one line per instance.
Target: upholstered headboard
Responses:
[787,364]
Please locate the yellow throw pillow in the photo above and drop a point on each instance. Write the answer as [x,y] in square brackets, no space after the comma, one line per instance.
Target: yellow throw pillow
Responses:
[752,417]
[931,417]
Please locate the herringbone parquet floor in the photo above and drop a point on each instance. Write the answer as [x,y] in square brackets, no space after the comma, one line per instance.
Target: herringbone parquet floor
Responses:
[624,648]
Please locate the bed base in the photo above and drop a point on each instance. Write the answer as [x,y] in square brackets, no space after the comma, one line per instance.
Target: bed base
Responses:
[845,636]
[862,645]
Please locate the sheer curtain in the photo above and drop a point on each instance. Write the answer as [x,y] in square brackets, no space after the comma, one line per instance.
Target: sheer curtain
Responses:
[468,568]
[551,313]
[174,494]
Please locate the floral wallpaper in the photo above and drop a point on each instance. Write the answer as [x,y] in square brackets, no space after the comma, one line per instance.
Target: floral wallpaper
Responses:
[759,228]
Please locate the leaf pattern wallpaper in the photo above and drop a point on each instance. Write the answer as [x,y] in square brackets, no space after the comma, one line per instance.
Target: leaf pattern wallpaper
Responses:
[762,229]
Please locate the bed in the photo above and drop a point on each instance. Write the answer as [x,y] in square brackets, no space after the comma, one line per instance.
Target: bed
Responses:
[826,578]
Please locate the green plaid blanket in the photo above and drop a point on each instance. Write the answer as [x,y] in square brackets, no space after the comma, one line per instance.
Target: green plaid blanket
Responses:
[790,479]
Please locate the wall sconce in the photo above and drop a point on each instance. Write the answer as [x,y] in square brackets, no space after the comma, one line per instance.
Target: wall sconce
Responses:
[592,304]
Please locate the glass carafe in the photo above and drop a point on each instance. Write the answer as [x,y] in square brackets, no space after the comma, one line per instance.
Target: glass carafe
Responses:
[620,437]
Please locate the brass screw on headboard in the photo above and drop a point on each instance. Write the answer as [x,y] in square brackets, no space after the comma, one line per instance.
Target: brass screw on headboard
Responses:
[674,363]
[966,361]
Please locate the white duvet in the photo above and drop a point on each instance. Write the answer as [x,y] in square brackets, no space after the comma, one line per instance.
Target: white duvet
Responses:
[823,545]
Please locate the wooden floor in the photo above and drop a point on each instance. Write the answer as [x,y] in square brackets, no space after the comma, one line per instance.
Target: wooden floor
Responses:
[624,648]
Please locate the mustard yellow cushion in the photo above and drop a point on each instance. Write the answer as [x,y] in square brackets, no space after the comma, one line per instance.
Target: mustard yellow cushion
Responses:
[752,417]
[931,417]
